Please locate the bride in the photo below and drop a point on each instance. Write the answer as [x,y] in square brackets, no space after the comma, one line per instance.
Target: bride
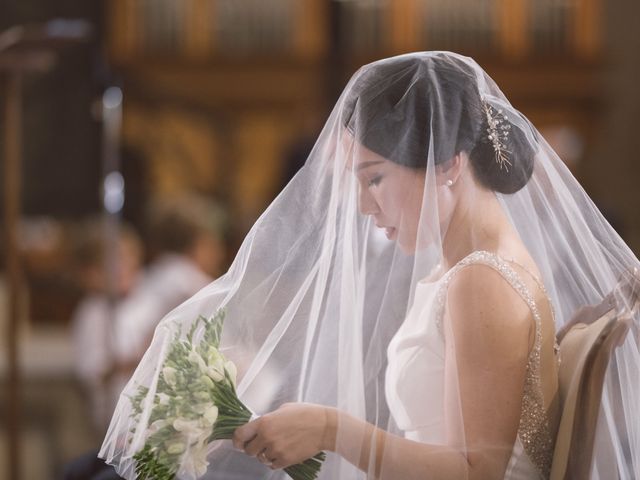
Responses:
[398,303]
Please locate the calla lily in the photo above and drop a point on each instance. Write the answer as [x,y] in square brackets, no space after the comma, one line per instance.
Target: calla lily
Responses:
[189,427]
[195,463]
[196,359]
[206,380]
[157,425]
[175,448]
[232,370]
[211,415]
[215,374]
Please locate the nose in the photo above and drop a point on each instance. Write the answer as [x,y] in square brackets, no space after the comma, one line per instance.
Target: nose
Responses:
[367,204]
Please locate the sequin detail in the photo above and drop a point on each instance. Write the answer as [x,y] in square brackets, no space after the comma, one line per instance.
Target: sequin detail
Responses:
[534,428]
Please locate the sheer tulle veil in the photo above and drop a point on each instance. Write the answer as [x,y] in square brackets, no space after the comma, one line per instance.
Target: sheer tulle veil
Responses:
[323,280]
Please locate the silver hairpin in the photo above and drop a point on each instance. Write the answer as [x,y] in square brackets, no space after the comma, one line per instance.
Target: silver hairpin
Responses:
[498,133]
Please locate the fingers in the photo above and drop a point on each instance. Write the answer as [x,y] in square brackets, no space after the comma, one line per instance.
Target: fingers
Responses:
[244,434]
[254,447]
[277,464]
[256,441]
[264,458]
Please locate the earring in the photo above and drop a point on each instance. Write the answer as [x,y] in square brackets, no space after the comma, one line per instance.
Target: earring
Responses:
[449,183]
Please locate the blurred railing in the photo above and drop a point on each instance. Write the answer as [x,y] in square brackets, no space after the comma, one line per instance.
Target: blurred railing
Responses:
[500,28]
[202,29]
[207,29]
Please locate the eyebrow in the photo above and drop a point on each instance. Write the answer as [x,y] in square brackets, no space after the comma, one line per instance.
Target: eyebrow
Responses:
[368,164]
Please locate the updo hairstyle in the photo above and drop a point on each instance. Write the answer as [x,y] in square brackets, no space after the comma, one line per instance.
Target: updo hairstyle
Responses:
[395,107]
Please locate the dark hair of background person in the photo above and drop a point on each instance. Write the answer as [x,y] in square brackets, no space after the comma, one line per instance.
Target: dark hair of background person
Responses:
[175,223]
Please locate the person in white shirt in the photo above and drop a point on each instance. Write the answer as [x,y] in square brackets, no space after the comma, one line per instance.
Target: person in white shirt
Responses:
[92,322]
[186,238]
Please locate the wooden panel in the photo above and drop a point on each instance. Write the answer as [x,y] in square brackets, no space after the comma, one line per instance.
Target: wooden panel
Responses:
[199,26]
[181,147]
[512,31]
[123,29]
[311,28]
[404,25]
[259,140]
[587,28]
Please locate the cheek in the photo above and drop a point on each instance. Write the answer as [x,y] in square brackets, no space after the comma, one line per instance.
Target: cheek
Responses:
[383,199]
[412,202]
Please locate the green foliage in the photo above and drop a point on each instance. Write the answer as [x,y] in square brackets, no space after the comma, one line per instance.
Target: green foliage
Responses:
[307,470]
[213,329]
[149,467]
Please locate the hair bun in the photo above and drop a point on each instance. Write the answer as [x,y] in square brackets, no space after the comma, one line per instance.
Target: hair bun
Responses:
[502,164]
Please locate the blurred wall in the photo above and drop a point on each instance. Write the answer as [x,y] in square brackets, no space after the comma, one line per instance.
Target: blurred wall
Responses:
[614,163]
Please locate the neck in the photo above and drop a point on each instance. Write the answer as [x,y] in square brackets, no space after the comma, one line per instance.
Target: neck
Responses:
[477,223]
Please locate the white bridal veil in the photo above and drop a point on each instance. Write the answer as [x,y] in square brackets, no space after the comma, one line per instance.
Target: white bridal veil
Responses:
[359,244]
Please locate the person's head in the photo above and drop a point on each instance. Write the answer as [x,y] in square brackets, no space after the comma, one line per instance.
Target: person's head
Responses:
[189,225]
[406,110]
[90,253]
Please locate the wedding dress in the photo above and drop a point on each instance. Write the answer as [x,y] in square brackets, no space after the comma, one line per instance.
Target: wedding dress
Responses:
[415,374]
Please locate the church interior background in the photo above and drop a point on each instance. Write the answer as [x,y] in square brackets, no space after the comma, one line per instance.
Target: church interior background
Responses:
[224,98]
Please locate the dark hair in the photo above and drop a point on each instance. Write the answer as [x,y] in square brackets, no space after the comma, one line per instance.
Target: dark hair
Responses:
[396,105]
[89,243]
[175,223]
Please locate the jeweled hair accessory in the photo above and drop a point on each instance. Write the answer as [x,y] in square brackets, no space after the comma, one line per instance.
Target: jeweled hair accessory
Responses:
[498,133]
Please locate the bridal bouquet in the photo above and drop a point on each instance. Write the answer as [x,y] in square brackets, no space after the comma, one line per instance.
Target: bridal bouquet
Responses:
[195,403]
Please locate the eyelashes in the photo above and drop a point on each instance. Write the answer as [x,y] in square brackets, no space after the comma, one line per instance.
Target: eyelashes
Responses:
[374,181]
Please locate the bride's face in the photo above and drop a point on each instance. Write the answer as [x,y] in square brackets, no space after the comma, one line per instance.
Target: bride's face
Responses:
[392,194]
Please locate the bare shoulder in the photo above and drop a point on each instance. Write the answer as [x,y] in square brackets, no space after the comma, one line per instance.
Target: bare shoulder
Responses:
[482,308]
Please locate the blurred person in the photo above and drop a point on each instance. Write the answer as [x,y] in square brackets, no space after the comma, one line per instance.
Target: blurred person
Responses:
[105,282]
[105,277]
[188,252]
[187,248]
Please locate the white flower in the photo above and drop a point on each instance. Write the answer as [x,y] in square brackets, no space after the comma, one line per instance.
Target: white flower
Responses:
[211,415]
[163,398]
[169,375]
[193,430]
[202,396]
[196,359]
[188,427]
[231,369]
[157,425]
[175,448]
[214,356]
[202,407]
[195,463]
[206,380]
[215,374]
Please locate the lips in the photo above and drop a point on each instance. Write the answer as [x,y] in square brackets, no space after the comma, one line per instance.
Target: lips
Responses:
[390,232]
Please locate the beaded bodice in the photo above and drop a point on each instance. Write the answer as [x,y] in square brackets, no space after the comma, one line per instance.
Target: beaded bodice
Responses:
[407,352]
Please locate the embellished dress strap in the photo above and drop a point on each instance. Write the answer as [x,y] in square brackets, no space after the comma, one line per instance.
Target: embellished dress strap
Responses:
[507,272]
[534,429]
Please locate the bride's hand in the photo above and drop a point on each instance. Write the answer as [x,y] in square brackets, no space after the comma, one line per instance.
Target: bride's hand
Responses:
[289,435]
